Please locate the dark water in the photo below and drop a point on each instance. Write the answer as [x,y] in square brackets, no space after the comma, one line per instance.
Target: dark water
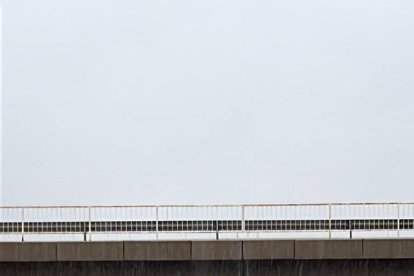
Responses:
[260,268]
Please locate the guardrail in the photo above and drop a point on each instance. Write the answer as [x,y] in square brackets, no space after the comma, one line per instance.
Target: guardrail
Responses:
[386,218]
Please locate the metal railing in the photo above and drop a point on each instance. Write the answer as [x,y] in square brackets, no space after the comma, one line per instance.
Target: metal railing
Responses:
[331,219]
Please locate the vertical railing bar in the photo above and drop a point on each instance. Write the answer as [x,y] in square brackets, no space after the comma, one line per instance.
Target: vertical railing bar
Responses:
[243,219]
[90,223]
[412,213]
[330,220]
[22,224]
[156,222]
[398,220]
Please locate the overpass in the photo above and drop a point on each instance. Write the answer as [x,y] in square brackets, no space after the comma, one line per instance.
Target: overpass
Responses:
[278,239]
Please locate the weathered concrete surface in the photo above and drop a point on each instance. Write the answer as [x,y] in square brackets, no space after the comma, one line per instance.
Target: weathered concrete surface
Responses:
[388,249]
[90,251]
[370,267]
[268,250]
[216,250]
[328,249]
[27,252]
[208,250]
[157,251]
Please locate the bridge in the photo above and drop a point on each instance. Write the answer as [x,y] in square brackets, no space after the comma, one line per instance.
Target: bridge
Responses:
[196,239]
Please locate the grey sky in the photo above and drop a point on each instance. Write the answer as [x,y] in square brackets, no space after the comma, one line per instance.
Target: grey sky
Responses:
[150,102]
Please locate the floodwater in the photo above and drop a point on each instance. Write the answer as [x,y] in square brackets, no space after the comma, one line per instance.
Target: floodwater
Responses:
[259,268]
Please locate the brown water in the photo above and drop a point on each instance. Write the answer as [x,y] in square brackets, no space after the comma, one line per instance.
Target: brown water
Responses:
[259,268]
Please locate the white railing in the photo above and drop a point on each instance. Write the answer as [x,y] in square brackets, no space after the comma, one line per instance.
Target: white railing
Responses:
[336,220]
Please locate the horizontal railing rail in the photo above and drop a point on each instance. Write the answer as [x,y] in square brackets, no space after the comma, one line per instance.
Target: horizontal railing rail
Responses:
[211,205]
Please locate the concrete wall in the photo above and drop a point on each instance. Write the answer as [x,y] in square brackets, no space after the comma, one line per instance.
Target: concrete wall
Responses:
[207,250]
[268,250]
[27,252]
[207,268]
[157,251]
[90,251]
[388,249]
[328,249]
[216,250]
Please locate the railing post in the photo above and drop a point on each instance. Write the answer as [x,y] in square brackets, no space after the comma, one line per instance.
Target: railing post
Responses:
[330,220]
[156,222]
[90,223]
[398,220]
[22,224]
[243,219]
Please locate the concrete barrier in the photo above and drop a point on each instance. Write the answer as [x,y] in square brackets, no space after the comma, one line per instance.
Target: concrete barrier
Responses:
[90,251]
[27,252]
[216,250]
[328,249]
[268,250]
[157,251]
[207,250]
[388,249]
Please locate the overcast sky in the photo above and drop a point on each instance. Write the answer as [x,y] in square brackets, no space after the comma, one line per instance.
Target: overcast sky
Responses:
[220,101]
